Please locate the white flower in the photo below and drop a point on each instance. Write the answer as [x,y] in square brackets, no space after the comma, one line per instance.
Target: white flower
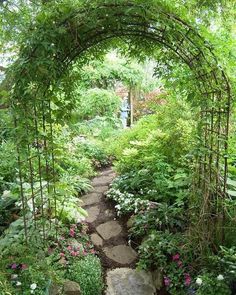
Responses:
[14,276]
[18,283]
[33,286]
[220,278]
[199,281]
[6,194]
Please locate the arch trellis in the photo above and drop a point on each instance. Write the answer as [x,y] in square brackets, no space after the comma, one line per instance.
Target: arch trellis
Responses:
[63,35]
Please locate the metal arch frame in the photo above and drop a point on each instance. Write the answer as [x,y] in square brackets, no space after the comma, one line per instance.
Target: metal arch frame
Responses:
[173,33]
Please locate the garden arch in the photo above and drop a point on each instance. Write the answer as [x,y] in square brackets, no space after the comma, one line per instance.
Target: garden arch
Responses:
[61,34]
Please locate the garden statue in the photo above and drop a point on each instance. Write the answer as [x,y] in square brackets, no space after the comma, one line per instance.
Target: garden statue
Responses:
[124,111]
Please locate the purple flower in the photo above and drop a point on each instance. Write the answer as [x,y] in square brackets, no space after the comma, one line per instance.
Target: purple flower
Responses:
[187,279]
[167,281]
[72,232]
[14,266]
[176,257]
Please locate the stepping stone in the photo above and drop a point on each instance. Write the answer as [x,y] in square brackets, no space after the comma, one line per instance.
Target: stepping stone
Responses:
[93,213]
[109,229]
[91,199]
[127,281]
[122,254]
[101,189]
[96,240]
[109,213]
[102,180]
[108,172]
[71,288]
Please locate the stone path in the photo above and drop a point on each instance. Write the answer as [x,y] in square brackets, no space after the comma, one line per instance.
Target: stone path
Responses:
[110,238]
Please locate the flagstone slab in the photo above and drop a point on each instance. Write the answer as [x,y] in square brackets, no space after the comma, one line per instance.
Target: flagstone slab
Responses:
[93,213]
[102,180]
[127,281]
[92,198]
[100,189]
[109,229]
[108,172]
[122,254]
[109,213]
[96,240]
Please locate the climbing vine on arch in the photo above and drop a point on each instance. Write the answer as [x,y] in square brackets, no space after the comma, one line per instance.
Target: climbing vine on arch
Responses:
[77,30]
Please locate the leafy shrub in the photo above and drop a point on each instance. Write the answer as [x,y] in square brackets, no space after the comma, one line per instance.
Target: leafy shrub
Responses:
[167,252]
[7,208]
[97,102]
[88,273]
[158,186]
[94,152]
[162,217]
[157,248]
[22,267]
[127,202]
[100,128]
[168,133]
[213,285]
[8,164]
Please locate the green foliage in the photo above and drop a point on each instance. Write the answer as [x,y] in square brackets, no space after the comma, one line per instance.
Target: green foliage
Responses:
[97,102]
[7,208]
[127,202]
[94,152]
[88,273]
[110,68]
[168,133]
[8,164]
[24,267]
[154,164]
[44,263]
[210,285]
[100,128]
[157,247]
[162,217]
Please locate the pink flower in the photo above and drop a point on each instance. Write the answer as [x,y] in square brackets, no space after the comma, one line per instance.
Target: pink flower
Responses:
[69,248]
[72,232]
[84,253]
[24,266]
[187,279]
[180,264]
[176,257]
[62,254]
[92,251]
[74,253]
[14,266]
[167,281]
